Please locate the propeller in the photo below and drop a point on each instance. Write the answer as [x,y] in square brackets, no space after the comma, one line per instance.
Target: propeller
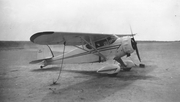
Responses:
[134,45]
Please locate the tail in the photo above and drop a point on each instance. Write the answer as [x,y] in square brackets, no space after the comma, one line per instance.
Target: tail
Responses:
[44,53]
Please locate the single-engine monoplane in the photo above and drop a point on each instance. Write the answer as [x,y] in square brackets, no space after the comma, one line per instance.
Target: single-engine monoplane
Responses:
[90,48]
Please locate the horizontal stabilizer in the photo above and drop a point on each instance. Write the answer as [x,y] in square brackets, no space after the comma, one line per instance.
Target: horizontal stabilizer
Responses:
[38,61]
[44,52]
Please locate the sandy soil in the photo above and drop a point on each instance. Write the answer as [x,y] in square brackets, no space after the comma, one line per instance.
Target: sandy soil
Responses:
[158,82]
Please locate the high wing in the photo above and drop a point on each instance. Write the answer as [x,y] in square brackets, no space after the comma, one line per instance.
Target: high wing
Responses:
[71,38]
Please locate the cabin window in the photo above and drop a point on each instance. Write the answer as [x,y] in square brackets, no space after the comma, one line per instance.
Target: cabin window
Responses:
[111,39]
[101,43]
[88,46]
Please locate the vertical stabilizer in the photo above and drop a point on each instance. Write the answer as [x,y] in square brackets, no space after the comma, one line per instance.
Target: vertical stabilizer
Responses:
[44,52]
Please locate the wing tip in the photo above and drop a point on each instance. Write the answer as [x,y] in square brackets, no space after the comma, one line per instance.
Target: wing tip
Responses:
[34,36]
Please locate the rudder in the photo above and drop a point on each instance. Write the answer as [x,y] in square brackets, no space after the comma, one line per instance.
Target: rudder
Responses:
[44,52]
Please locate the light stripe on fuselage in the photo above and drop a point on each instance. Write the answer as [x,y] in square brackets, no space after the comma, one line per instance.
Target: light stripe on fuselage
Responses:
[93,51]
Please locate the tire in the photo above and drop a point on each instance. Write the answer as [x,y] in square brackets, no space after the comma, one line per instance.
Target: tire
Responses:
[127,69]
[113,75]
[41,67]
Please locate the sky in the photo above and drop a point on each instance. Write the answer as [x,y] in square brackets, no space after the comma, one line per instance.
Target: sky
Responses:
[150,19]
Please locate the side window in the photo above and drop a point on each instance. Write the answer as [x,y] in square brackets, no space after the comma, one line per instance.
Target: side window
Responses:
[111,40]
[101,43]
[88,46]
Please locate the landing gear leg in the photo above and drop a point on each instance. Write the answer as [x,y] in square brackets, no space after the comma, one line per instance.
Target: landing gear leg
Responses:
[118,59]
[123,66]
[44,63]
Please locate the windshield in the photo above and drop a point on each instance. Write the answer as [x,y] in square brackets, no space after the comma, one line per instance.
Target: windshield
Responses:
[103,42]
[111,39]
[106,41]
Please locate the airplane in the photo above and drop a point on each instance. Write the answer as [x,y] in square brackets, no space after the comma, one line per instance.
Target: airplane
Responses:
[90,48]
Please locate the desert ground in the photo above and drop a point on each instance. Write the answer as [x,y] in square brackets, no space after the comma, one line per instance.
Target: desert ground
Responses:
[159,81]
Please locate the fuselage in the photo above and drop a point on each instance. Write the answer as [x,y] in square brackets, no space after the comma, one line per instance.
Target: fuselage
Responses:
[108,47]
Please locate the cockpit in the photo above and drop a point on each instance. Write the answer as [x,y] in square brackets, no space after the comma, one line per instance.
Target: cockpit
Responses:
[103,42]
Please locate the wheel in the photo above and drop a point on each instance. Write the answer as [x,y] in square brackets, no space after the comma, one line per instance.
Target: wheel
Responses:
[127,69]
[113,75]
[142,65]
[41,67]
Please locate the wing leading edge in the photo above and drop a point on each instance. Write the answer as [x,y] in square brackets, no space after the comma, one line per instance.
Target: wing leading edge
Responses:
[71,38]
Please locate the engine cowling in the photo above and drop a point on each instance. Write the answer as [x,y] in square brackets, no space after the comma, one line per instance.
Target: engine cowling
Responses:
[129,64]
[127,45]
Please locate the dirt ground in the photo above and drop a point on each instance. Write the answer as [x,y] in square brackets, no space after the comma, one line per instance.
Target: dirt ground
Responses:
[159,81]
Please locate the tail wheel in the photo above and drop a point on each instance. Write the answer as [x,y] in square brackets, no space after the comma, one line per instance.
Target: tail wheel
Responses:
[41,67]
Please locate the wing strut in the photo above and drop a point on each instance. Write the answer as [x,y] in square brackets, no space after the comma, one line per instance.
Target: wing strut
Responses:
[81,48]
[101,55]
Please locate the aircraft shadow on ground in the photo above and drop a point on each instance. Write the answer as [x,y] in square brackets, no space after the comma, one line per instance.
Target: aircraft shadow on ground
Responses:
[98,87]
[46,69]
[139,73]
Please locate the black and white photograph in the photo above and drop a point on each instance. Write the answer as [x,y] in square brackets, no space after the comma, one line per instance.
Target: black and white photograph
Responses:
[89,50]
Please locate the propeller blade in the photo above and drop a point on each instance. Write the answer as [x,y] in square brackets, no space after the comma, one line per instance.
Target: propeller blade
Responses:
[131,31]
[134,44]
[137,52]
